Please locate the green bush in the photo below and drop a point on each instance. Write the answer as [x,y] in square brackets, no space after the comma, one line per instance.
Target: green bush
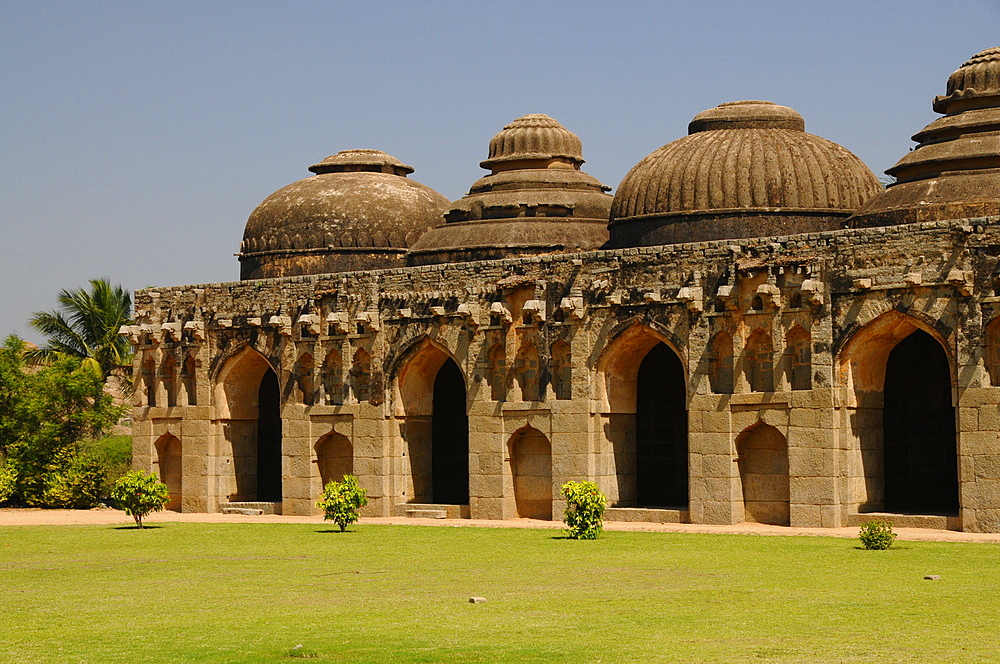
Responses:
[76,484]
[8,481]
[876,535]
[585,505]
[113,454]
[340,501]
[139,494]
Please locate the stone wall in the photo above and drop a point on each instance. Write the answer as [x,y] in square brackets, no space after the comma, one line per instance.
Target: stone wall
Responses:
[790,333]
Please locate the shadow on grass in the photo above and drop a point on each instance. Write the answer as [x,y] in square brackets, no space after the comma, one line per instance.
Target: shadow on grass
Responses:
[336,530]
[134,527]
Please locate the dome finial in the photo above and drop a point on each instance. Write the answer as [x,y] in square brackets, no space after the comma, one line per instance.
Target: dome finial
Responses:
[533,138]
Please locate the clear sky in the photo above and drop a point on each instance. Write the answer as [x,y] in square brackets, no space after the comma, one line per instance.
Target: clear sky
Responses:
[136,137]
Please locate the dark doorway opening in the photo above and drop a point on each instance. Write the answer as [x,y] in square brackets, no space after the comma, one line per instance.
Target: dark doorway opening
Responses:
[269,439]
[918,429]
[661,446]
[450,437]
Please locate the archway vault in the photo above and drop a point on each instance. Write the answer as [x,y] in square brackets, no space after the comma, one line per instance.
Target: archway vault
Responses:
[618,366]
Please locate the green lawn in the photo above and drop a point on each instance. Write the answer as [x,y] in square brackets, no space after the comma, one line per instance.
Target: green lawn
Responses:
[252,592]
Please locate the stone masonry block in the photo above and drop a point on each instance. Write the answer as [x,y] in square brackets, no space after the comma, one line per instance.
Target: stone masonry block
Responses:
[813,490]
[813,418]
[987,466]
[979,442]
[719,465]
[804,516]
[809,462]
[989,418]
[710,443]
[715,422]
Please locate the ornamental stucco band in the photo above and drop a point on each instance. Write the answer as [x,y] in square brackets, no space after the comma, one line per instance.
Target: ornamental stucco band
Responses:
[752,328]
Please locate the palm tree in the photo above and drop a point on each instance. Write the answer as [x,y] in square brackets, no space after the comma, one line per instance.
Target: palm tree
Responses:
[86,326]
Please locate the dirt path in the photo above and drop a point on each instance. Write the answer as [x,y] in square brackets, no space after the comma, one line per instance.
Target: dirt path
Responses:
[99,516]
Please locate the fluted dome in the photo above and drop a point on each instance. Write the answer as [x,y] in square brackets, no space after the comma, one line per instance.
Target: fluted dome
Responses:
[746,169]
[359,211]
[954,172]
[535,201]
[531,137]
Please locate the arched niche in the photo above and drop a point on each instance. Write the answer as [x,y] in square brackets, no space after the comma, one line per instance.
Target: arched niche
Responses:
[798,358]
[530,455]
[169,468]
[561,370]
[334,457]
[762,457]
[758,362]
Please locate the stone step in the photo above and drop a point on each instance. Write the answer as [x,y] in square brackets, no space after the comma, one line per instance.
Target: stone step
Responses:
[250,507]
[242,510]
[427,514]
[431,511]
[935,521]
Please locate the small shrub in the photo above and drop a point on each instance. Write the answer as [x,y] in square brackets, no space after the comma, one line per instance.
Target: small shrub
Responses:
[8,481]
[139,494]
[584,515]
[876,535]
[340,501]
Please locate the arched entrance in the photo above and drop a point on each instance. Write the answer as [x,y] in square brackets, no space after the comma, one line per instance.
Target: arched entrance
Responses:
[450,437]
[531,467]
[436,425]
[661,450]
[762,457]
[918,429]
[269,438]
[248,403]
[902,439]
[169,468]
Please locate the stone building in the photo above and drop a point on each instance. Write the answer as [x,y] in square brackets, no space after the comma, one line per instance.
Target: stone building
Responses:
[752,328]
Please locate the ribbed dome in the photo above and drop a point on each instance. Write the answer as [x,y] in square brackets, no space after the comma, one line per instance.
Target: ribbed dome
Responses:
[535,136]
[954,172]
[358,212]
[977,78]
[537,200]
[746,169]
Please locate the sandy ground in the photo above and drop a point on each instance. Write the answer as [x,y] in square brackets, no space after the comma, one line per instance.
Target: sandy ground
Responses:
[104,516]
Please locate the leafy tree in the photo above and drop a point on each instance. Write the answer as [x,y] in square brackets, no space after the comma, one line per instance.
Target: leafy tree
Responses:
[585,505]
[139,494]
[340,501]
[45,416]
[86,326]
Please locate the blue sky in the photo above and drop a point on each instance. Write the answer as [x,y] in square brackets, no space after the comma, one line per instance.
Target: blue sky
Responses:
[136,137]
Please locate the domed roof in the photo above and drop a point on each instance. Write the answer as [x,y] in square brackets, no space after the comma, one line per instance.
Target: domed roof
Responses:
[954,172]
[746,169]
[532,137]
[536,200]
[359,211]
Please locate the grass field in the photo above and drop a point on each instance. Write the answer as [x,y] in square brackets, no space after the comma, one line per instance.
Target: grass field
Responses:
[235,593]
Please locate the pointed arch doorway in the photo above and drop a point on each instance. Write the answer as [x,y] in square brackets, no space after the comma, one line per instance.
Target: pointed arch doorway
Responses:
[918,429]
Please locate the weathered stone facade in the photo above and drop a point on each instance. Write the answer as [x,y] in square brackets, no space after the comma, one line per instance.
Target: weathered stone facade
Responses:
[809,380]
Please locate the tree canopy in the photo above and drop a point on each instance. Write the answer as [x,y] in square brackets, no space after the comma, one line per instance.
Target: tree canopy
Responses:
[86,326]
